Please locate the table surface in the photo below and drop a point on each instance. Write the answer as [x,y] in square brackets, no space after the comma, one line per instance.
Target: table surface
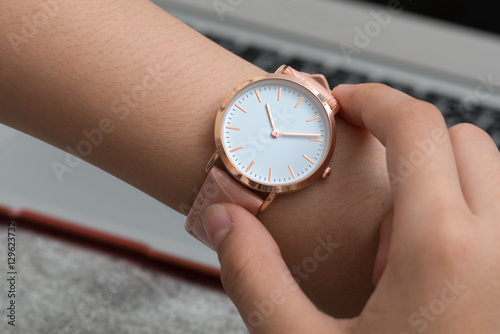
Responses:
[63,286]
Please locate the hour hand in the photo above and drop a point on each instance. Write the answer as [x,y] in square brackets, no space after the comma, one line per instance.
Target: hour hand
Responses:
[274,133]
[270,116]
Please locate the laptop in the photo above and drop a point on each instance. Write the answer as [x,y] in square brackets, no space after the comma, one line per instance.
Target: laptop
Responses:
[412,46]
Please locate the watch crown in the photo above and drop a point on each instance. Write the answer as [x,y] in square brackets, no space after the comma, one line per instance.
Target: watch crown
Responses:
[326,173]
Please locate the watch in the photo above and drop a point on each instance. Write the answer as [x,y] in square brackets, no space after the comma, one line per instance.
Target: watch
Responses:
[274,134]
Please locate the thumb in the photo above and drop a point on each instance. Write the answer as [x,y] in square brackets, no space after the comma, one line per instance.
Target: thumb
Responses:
[385,236]
[255,276]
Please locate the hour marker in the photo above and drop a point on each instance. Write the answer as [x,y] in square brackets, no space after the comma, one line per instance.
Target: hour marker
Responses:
[270,172]
[236,149]
[312,119]
[258,96]
[314,139]
[300,101]
[231,128]
[279,93]
[237,106]
[249,166]
[291,171]
[308,159]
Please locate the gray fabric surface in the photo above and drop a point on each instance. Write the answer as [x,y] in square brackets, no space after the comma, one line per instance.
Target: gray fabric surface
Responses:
[63,288]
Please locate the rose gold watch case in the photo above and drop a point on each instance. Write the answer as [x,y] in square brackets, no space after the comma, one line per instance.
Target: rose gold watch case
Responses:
[257,185]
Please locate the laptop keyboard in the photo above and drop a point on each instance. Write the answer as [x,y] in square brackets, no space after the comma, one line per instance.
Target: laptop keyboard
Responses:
[454,112]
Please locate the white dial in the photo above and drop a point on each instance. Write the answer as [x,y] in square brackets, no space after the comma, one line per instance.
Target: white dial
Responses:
[276,132]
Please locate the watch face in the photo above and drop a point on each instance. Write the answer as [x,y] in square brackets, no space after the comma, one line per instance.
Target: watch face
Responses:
[275,134]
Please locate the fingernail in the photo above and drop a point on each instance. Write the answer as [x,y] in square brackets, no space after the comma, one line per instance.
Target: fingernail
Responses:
[217,223]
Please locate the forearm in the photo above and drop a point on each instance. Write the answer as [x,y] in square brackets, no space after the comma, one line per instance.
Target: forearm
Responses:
[153,101]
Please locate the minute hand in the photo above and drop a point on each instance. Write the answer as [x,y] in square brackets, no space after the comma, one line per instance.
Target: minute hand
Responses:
[301,134]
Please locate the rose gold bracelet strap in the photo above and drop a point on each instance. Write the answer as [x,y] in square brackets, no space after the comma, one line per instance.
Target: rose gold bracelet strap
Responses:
[219,187]
[318,81]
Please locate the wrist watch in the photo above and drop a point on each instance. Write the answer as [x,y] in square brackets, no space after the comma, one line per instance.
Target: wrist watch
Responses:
[274,134]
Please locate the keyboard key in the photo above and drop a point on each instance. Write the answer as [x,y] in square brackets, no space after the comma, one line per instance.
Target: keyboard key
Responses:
[486,119]
[304,65]
[226,43]
[342,76]
[267,60]
[251,53]
[401,87]
[297,64]
[469,115]
[444,103]
[495,135]
[454,112]
[452,120]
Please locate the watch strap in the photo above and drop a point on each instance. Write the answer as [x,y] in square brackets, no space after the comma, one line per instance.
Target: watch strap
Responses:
[317,80]
[219,187]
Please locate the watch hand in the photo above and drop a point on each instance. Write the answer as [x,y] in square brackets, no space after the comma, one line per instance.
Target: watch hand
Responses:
[270,116]
[274,133]
[301,134]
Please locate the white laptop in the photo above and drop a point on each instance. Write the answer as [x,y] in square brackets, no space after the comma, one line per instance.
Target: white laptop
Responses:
[454,66]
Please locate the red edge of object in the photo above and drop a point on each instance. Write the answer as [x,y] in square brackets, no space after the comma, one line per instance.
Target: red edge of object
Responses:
[105,238]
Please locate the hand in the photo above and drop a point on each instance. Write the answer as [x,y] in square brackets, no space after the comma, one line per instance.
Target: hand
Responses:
[346,209]
[143,94]
[437,271]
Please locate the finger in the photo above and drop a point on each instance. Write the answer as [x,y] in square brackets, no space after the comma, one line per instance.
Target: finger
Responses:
[384,244]
[420,158]
[478,163]
[256,278]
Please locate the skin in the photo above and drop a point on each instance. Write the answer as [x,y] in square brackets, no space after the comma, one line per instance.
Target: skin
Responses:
[438,263]
[156,84]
